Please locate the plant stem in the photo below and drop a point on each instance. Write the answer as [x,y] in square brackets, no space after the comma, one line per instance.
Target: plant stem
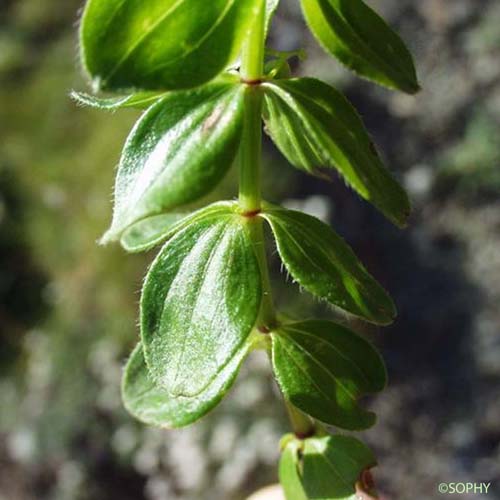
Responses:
[252,72]
[251,152]
[302,425]
[252,69]
[252,60]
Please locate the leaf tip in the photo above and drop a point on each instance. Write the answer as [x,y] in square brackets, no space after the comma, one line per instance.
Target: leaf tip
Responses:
[108,237]
[384,313]
[413,88]
[400,217]
[402,221]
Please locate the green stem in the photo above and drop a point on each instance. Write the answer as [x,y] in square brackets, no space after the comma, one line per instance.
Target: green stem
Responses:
[252,69]
[251,152]
[252,60]
[303,426]
[252,72]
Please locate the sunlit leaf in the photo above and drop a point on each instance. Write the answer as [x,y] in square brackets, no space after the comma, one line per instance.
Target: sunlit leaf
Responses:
[154,405]
[162,44]
[356,35]
[199,304]
[177,152]
[324,368]
[139,100]
[321,262]
[149,232]
[315,126]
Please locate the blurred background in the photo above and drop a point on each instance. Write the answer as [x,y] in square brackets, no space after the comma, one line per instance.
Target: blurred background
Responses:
[68,308]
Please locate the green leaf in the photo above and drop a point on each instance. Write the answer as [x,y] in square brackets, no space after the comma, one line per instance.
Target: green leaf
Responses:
[323,368]
[147,233]
[357,36]
[154,405]
[315,126]
[199,305]
[289,472]
[277,69]
[162,44]
[321,262]
[324,468]
[333,465]
[177,152]
[151,231]
[139,100]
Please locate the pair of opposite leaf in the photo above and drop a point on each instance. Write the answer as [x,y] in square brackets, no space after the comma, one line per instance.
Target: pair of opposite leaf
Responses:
[182,147]
[130,45]
[173,44]
[190,355]
[185,143]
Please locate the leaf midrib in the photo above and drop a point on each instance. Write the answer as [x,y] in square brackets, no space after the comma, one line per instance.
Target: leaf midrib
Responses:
[322,453]
[283,121]
[140,197]
[316,361]
[141,38]
[197,45]
[130,51]
[323,138]
[387,68]
[332,346]
[335,262]
[218,238]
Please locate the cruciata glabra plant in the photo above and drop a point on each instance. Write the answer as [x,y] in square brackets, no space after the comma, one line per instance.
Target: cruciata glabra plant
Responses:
[202,74]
